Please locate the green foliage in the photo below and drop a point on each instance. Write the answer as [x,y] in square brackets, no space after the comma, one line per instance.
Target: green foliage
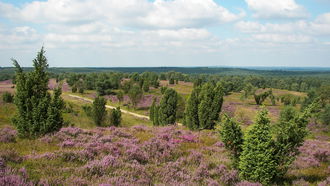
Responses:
[55,119]
[74,89]
[232,136]
[135,94]
[168,107]
[289,99]
[81,90]
[37,112]
[180,107]
[289,136]
[155,119]
[99,110]
[120,96]
[152,110]
[7,97]
[260,98]
[211,100]
[115,117]
[191,111]
[126,86]
[171,81]
[248,90]
[163,89]
[325,116]
[88,110]
[146,86]
[257,162]
[324,94]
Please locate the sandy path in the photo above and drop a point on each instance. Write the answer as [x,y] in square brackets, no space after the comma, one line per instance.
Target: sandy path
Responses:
[111,107]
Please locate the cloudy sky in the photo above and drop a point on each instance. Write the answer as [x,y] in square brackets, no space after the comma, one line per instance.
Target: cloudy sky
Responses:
[112,33]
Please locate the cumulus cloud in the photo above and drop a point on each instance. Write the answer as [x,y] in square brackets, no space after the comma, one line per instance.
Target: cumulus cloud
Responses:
[131,13]
[319,26]
[18,37]
[277,9]
[282,38]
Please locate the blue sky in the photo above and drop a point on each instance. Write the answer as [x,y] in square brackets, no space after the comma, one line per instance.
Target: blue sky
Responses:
[113,33]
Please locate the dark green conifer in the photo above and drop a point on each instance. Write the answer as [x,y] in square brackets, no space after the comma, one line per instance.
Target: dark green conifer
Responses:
[167,107]
[37,112]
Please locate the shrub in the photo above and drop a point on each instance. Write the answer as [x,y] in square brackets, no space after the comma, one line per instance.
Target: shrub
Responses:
[81,90]
[325,115]
[257,162]
[7,97]
[115,117]
[232,136]
[74,89]
[99,111]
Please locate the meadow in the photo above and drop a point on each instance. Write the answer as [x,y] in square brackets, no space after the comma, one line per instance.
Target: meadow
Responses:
[137,153]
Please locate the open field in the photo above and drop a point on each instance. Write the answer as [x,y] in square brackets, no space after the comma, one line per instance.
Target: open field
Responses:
[85,154]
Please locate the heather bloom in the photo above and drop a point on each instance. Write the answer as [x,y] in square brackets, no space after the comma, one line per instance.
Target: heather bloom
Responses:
[71,131]
[195,157]
[140,128]
[174,172]
[313,152]
[325,182]
[219,144]
[247,183]
[7,135]
[68,143]
[201,173]
[10,155]
[11,177]
[300,182]
[189,138]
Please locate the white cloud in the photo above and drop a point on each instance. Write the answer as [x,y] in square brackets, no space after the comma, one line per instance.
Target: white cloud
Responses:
[282,38]
[18,37]
[319,26]
[131,13]
[277,9]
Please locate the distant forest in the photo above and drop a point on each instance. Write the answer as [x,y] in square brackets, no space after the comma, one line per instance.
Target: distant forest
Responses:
[8,72]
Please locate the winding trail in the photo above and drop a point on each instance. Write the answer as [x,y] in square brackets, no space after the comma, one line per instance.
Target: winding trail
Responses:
[111,107]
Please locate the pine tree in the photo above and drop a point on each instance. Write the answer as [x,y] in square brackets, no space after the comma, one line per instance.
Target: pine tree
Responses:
[155,118]
[55,119]
[167,107]
[191,111]
[37,112]
[217,102]
[152,110]
[290,133]
[257,162]
[204,108]
[115,117]
[232,136]
[99,110]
